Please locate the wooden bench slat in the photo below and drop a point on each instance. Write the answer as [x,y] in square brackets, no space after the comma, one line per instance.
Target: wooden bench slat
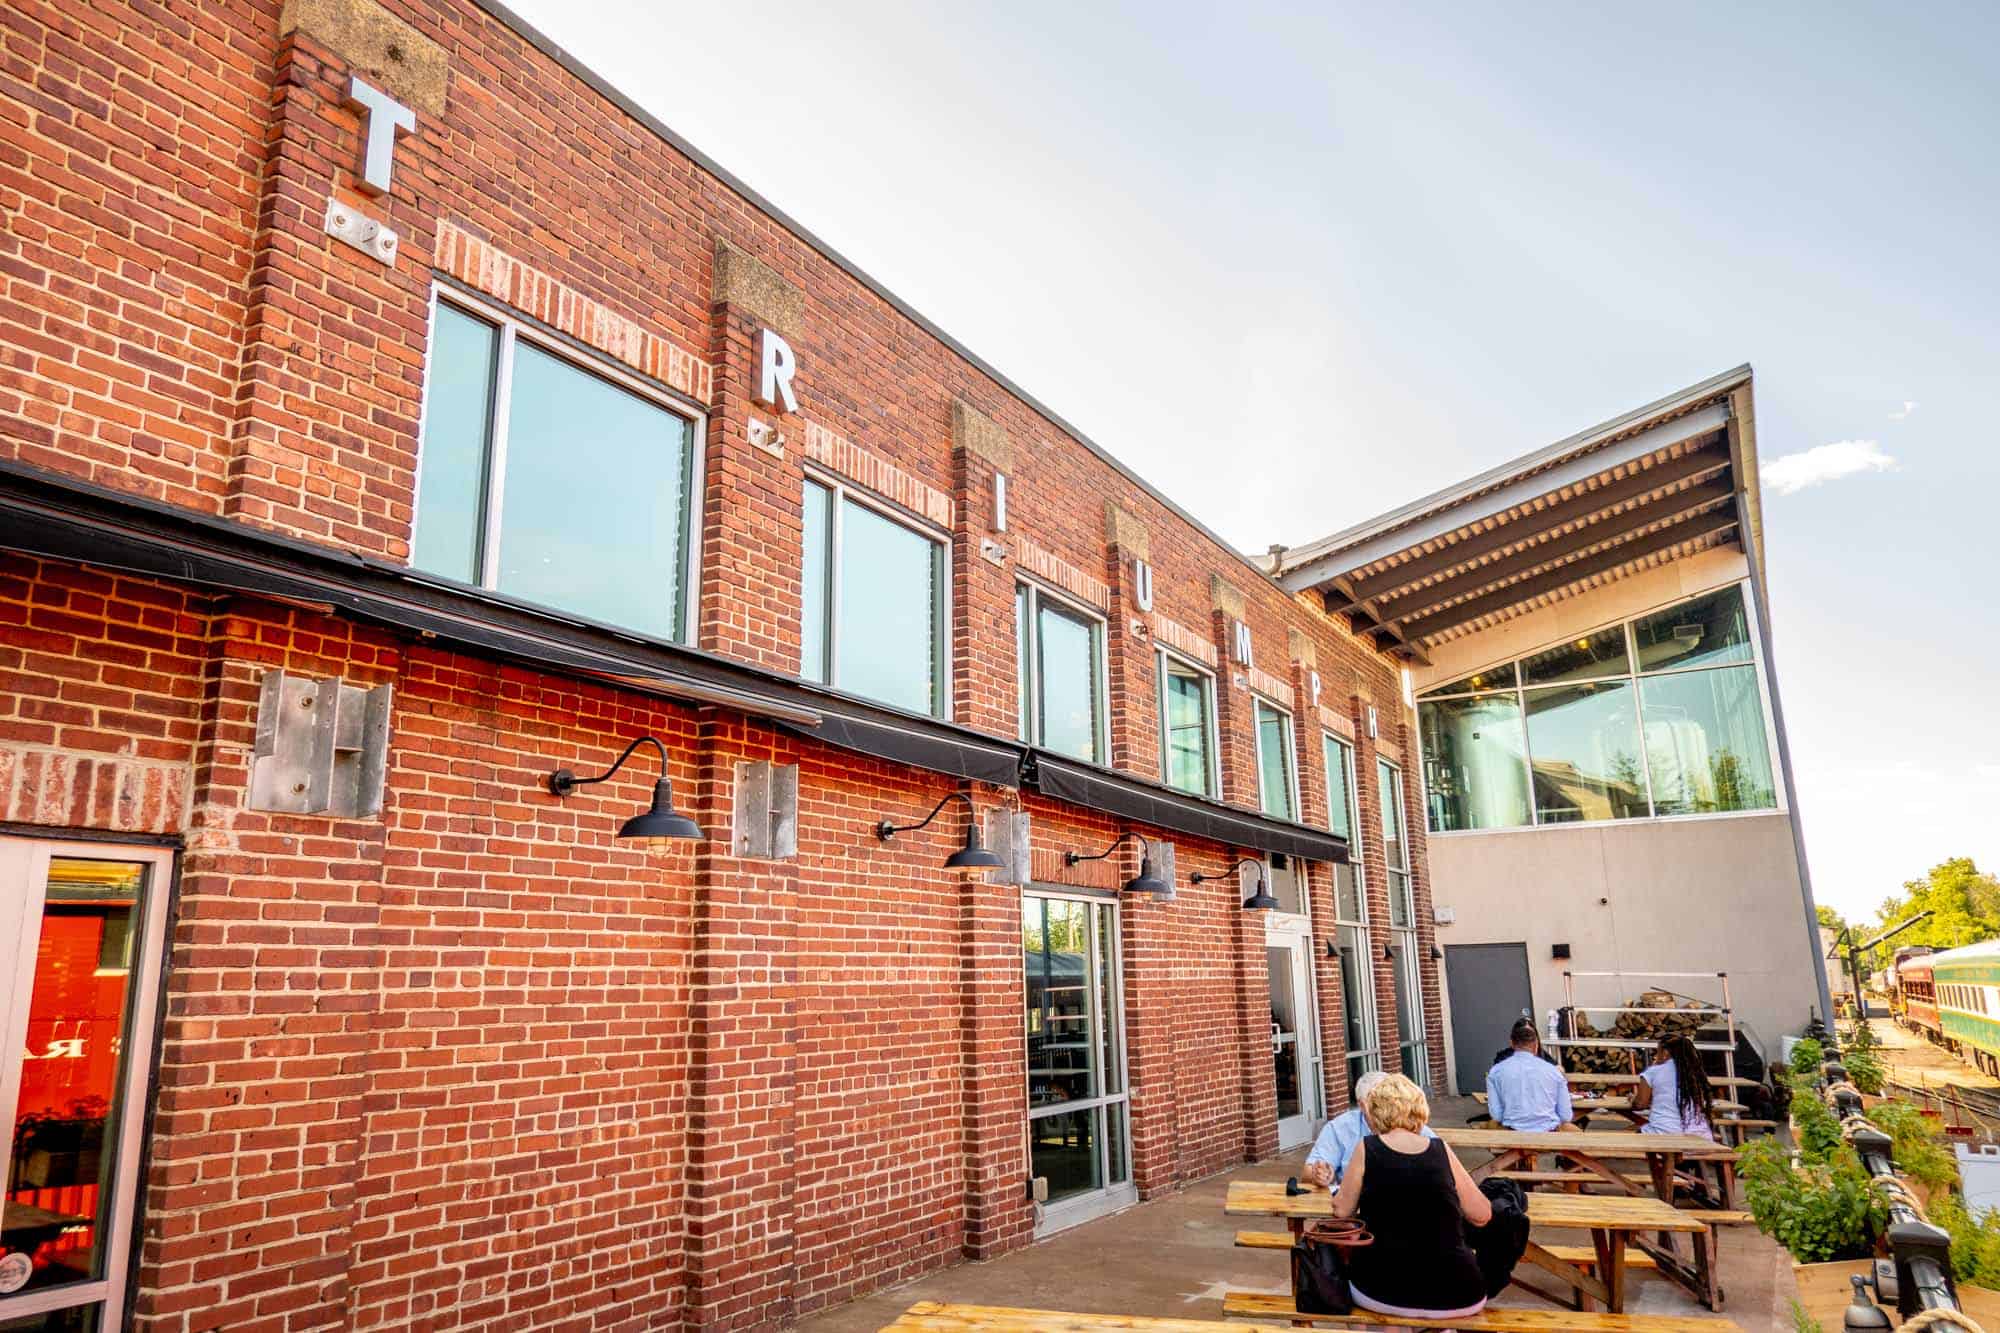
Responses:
[1566,1177]
[1264,1240]
[1585,1257]
[1496,1320]
[941,1317]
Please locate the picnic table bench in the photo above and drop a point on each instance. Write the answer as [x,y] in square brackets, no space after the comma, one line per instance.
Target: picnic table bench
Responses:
[1663,1153]
[1614,1222]
[938,1317]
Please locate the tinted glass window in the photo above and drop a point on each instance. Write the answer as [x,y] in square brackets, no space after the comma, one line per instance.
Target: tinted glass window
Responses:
[451,475]
[815,589]
[1708,631]
[1066,664]
[1705,742]
[1493,678]
[1584,740]
[1475,769]
[889,638]
[1274,761]
[594,496]
[1184,709]
[1587,657]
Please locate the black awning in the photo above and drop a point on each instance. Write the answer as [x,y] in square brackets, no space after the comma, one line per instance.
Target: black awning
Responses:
[936,748]
[57,517]
[1162,807]
[63,519]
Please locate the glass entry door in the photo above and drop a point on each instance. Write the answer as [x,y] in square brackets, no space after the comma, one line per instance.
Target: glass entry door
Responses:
[1295,1066]
[81,928]
[1079,1144]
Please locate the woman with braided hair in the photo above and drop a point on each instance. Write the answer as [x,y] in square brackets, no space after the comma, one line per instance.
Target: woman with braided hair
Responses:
[1673,1091]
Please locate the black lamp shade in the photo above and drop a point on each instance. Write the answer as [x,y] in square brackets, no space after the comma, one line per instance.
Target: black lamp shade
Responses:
[662,821]
[973,856]
[1261,900]
[1146,881]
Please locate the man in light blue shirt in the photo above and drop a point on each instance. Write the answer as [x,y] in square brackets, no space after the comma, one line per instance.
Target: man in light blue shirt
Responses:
[1327,1161]
[1525,1092]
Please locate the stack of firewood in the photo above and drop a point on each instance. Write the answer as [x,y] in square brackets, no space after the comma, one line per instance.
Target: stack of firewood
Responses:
[1667,1016]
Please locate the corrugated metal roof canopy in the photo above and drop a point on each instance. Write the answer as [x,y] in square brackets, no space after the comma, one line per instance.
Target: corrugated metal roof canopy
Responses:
[1674,477]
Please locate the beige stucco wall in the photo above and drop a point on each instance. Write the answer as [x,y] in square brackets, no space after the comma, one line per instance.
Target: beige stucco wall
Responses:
[1686,895]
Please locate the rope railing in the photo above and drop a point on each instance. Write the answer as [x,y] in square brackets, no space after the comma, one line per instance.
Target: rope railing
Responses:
[1925,1294]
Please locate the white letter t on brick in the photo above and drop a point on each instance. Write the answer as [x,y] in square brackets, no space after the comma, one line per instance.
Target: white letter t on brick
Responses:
[382,119]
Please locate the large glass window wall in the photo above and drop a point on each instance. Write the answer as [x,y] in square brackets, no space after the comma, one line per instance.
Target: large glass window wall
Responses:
[1662,715]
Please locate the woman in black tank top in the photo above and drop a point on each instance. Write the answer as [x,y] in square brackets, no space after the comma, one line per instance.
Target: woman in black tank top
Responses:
[1416,1198]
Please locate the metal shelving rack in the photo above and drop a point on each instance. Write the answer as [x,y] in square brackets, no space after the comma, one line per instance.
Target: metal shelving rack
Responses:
[1725,1012]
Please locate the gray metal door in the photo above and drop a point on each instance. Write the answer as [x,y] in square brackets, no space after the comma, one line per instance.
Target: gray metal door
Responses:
[1488,984]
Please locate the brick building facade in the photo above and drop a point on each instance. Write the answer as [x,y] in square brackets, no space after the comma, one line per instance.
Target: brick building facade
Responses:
[459,1056]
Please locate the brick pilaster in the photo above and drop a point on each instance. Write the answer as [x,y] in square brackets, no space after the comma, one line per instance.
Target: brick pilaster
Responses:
[742,1118]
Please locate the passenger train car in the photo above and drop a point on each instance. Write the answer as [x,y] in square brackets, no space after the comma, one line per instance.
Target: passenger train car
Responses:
[1954,999]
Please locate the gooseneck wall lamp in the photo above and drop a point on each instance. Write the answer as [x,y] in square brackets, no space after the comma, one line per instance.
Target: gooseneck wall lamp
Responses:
[972,856]
[660,823]
[1260,900]
[1143,882]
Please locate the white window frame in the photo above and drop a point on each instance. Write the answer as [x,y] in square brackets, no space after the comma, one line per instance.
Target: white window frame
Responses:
[1408,944]
[1370,1053]
[842,490]
[1633,677]
[1291,753]
[24,866]
[513,327]
[1028,672]
[1188,666]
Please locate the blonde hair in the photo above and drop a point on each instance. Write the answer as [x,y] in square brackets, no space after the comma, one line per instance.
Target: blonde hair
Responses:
[1396,1103]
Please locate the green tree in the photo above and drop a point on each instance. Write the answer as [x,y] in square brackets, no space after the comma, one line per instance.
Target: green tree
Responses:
[1831,919]
[1964,906]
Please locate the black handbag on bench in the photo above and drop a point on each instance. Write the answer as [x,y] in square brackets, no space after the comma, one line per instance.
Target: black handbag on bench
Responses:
[1319,1270]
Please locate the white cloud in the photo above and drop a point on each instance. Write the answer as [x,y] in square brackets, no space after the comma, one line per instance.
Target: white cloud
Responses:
[1904,413]
[1824,463]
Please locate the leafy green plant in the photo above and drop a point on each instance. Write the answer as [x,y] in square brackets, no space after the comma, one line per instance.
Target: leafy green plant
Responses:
[1803,1322]
[1975,1241]
[1860,1037]
[1918,1144]
[1807,1056]
[1817,1211]
[1816,1126]
[1865,1070]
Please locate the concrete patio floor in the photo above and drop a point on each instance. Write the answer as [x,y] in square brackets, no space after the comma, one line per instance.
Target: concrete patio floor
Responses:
[1176,1255]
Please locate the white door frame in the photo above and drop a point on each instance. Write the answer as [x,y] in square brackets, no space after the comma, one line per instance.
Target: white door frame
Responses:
[1292,933]
[1066,1213]
[24,870]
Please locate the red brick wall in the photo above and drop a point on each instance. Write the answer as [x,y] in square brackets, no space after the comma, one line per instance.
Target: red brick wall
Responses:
[473,1063]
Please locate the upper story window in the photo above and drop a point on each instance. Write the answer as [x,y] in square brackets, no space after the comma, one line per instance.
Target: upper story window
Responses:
[1662,715]
[872,610]
[1187,726]
[1395,847]
[548,478]
[1276,790]
[1059,652]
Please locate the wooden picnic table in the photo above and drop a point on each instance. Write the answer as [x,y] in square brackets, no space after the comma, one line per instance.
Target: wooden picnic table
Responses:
[1613,1223]
[1513,1150]
[1620,1080]
[940,1317]
[1587,1105]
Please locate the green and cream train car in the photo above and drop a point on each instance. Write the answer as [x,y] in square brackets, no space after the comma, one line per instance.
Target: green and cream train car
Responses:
[1967,985]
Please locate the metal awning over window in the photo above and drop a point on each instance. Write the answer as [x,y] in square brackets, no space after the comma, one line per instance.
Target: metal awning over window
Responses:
[56,517]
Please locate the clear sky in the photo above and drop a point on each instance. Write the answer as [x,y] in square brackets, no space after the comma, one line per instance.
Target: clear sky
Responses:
[1298,265]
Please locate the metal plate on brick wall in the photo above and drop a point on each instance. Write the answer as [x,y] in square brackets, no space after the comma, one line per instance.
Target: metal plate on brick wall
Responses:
[321,748]
[767,810]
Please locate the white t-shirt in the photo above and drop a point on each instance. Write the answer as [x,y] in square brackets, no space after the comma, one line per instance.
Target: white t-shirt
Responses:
[1664,1116]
